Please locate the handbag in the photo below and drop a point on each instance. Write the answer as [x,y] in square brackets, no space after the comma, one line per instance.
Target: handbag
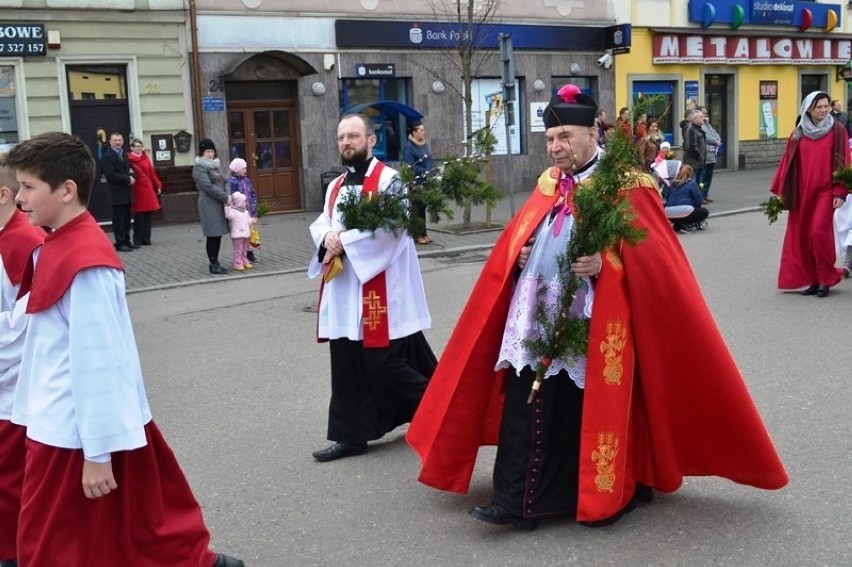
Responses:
[254,237]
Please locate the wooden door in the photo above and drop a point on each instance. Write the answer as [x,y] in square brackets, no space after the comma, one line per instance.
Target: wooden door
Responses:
[95,114]
[266,137]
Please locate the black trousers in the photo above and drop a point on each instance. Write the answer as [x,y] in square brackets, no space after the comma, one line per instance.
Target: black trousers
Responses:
[418,210]
[708,177]
[142,228]
[373,390]
[121,218]
[536,472]
[696,216]
[213,245]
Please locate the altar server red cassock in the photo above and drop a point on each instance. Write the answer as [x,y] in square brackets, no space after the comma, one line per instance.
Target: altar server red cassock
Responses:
[18,239]
[663,397]
[101,485]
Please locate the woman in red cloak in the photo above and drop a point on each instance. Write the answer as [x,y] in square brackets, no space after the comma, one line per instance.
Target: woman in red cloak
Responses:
[817,147]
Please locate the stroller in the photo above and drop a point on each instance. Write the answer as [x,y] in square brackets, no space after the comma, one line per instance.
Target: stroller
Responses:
[662,174]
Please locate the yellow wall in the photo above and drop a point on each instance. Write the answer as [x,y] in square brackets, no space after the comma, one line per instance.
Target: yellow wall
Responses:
[746,77]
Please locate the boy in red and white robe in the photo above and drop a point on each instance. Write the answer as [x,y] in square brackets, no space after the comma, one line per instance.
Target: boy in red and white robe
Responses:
[101,486]
[18,239]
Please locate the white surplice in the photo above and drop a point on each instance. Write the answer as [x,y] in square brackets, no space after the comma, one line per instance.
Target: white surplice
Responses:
[367,254]
[13,326]
[80,383]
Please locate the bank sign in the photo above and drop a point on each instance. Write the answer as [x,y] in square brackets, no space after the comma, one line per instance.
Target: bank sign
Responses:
[21,40]
[735,50]
[371,34]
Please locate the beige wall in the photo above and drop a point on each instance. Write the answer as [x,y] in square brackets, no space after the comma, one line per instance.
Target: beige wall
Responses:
[553,11]
[151,43]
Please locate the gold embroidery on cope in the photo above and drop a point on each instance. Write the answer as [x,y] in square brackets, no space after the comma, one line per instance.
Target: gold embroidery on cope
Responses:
[547,181]
[522,228]
[375,308]
[612,347]
[604,458]
[614,259]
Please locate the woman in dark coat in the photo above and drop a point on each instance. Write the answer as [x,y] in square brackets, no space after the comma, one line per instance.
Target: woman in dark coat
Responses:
[416,154]
[207,175]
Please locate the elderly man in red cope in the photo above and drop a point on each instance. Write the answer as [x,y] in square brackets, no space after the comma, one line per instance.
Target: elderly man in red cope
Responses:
[589,446]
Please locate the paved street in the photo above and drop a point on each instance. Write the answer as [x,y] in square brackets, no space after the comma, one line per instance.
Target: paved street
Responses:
[177,256]
[240,389]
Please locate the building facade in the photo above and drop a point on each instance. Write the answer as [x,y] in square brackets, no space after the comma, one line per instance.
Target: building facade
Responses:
[750,62]
[275,78]
[93,68]
[268,81]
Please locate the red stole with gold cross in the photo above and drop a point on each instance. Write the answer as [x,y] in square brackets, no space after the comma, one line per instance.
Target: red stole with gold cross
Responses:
[374,306]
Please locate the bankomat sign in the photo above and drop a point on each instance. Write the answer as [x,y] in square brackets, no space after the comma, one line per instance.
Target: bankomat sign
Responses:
[22,39]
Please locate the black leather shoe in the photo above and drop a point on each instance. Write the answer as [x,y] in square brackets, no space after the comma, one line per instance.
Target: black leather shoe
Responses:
[124,248]
[216,268]
[822,291]
[612,519]
[812,290]
[340,450]
[223,560]
[644,494]
[136,245]
[496,514]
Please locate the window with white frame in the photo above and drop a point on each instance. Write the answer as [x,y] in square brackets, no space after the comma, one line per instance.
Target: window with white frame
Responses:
[8,113]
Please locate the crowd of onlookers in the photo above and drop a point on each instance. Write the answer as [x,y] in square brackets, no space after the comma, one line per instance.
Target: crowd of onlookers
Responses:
[684,184]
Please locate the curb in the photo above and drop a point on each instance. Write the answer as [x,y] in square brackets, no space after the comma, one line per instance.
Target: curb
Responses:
[441,253]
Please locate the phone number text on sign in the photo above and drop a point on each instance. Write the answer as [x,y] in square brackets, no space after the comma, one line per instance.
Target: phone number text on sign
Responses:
[22,39]
[21,48]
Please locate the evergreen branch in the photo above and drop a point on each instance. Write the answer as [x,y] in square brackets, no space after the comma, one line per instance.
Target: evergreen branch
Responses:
[772,207]
[844,175]
[603,218]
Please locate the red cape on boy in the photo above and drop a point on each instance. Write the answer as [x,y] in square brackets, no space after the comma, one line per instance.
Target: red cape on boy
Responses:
[679,405]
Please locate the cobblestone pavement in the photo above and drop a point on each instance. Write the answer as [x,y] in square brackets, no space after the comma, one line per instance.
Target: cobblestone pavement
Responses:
[177,256]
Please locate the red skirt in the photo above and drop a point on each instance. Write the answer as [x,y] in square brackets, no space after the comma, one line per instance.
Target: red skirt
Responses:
[12,449]
[151,519]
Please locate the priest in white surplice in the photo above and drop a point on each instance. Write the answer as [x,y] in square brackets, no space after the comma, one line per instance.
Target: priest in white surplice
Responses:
[372,311]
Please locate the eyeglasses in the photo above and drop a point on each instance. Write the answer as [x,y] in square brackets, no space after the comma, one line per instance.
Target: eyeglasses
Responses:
[349,136]
[137,146]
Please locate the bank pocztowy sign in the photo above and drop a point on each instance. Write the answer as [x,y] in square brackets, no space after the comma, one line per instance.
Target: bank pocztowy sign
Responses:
[21,40]
[673,48]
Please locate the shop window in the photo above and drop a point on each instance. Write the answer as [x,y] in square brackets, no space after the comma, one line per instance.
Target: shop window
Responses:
[8,113]
[390,126]
[662,94]
[488,109]
[811,83]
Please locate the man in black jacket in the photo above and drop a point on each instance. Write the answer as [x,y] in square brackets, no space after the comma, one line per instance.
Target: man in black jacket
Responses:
[116,168]
[839,115]
[695,145]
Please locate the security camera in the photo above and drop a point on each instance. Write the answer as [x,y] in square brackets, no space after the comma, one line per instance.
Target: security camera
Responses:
[605,61]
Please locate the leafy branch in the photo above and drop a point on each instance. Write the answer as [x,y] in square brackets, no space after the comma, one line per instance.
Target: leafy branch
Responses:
[456,180]
[603,219]
[772,208]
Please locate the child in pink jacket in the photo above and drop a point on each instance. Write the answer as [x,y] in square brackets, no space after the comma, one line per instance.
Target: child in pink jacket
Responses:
[240,221]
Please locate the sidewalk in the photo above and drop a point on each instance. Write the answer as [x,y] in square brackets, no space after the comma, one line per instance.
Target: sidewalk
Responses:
[177,256]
